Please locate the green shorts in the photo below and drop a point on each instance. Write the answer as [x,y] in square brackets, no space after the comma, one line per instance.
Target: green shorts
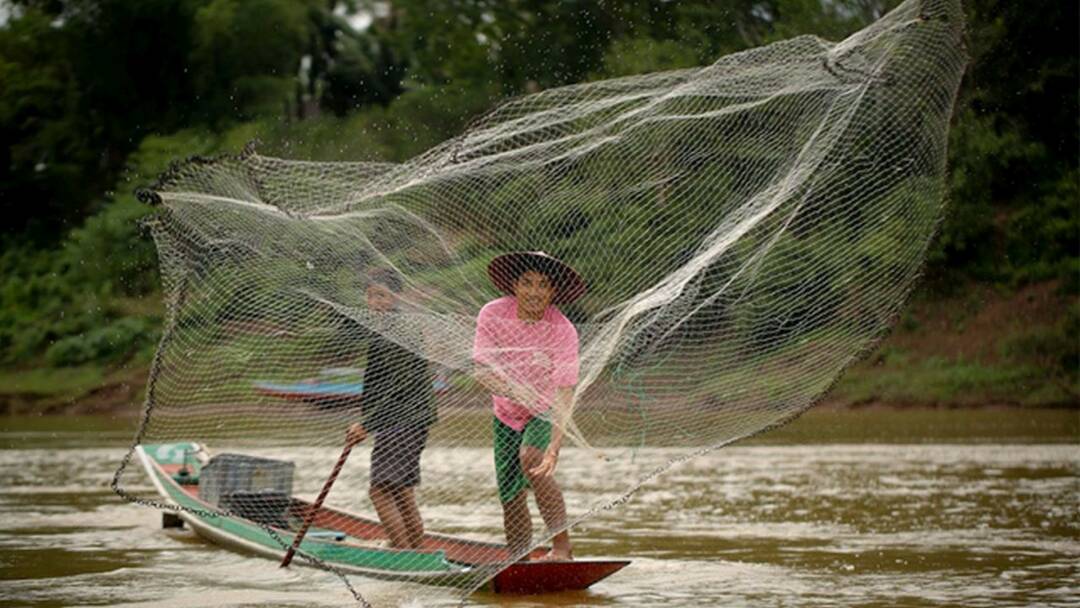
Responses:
[508,442]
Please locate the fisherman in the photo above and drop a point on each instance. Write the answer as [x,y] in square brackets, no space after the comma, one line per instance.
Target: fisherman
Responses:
[525,352]
[398,407]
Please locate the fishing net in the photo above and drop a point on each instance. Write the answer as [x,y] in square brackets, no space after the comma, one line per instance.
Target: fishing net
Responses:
[745,231]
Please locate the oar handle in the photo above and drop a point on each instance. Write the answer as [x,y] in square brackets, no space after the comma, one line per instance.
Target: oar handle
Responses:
[317,504]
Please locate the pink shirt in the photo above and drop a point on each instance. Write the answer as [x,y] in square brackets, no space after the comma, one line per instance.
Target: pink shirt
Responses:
[541,355]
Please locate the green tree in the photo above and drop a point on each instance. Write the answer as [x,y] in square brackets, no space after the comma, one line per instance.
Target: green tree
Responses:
[1014,148]
[46,153]
[246,54]
[351,69]
[84,80]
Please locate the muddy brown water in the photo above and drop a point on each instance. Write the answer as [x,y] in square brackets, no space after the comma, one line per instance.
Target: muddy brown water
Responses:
[864,508]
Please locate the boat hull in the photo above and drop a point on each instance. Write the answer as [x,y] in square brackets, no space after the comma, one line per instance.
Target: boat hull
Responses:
[442,560]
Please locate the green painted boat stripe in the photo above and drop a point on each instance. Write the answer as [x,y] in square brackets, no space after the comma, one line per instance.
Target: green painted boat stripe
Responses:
[172,453]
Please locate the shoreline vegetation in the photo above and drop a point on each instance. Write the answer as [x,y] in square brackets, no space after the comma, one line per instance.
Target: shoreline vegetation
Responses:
[994,322]
[987,348]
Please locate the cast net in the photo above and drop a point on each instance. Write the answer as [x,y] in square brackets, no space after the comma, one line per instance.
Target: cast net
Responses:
[746,231]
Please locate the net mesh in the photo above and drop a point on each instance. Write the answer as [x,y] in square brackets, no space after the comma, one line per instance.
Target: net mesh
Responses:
[745,231]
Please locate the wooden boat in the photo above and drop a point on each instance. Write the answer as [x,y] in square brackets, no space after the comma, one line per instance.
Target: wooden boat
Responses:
[319,393]
[350,542]
[334,387]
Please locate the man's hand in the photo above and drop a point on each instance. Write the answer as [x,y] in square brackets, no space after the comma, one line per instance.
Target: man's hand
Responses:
[355,434]
[547,465]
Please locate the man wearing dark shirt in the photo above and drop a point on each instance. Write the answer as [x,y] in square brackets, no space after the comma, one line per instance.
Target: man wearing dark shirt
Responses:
[398,407]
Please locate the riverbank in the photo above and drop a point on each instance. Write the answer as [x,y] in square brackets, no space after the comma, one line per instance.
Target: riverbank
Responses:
[985,347]
[981,346]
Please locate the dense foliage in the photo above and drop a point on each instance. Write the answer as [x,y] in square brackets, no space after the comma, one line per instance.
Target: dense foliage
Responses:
[99,95]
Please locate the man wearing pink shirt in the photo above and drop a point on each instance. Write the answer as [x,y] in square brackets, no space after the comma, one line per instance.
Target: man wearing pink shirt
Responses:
[526,354]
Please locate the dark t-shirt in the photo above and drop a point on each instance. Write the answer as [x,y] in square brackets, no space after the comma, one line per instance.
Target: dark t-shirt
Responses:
[397,385]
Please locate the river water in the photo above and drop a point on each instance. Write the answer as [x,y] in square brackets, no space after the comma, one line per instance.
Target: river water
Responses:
[870,508]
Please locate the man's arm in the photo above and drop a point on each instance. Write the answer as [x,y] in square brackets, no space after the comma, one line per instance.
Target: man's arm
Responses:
[502,386]
[565,377]
[484,355]
[562,411]
[491,381]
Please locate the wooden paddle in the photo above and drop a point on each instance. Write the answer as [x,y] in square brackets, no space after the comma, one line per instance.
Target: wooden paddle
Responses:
[349,443]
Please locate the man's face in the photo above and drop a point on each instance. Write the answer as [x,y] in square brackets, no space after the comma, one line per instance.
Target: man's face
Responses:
[534,292]
[380,298]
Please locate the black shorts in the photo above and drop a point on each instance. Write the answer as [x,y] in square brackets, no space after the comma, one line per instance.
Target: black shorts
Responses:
[395,459]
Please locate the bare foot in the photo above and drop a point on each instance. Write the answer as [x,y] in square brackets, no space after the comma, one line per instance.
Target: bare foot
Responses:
[556,556]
